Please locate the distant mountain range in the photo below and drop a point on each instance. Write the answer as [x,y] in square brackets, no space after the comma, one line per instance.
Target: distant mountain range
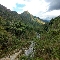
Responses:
[46,20]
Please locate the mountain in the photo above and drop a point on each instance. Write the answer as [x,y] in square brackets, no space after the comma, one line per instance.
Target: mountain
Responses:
[49,42]
[32,21]
[25,17]
[15,28]
[32,18]
[18,30]
[55,23]
[46,21]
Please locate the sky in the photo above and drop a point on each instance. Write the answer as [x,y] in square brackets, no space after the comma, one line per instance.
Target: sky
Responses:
[45,9]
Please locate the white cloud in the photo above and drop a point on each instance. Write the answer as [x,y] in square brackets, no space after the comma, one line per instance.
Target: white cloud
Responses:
[36,7]
[49,15]
[11,3]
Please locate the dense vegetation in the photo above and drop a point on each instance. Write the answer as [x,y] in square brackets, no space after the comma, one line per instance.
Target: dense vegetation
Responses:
[48,46]
[17,29]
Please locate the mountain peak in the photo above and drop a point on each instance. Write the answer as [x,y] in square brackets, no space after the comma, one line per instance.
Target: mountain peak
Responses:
[26,12]
[4,8]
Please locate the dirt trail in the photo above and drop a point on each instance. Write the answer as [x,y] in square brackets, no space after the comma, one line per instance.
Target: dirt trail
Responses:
[12,57]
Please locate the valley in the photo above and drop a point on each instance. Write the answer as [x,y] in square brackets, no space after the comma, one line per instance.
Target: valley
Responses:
[35,38]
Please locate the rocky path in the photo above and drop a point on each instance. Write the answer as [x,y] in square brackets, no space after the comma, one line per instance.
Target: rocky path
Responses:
[12,57]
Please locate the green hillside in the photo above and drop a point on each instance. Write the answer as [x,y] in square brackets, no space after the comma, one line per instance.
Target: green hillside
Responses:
[16,30]
[48,47]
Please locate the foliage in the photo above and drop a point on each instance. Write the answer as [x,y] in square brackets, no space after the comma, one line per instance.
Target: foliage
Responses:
[17,29]
[48,46]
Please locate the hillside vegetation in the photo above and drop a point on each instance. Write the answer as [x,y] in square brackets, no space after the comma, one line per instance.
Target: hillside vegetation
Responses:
[17,29]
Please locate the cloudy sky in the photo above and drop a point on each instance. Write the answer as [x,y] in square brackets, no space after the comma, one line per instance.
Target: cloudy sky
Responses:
[45,9]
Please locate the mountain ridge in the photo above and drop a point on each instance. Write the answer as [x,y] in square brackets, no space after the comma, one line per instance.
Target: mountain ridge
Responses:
[31,17]
[24,14]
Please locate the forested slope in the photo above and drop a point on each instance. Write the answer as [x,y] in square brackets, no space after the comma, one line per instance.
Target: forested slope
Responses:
[15,29]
